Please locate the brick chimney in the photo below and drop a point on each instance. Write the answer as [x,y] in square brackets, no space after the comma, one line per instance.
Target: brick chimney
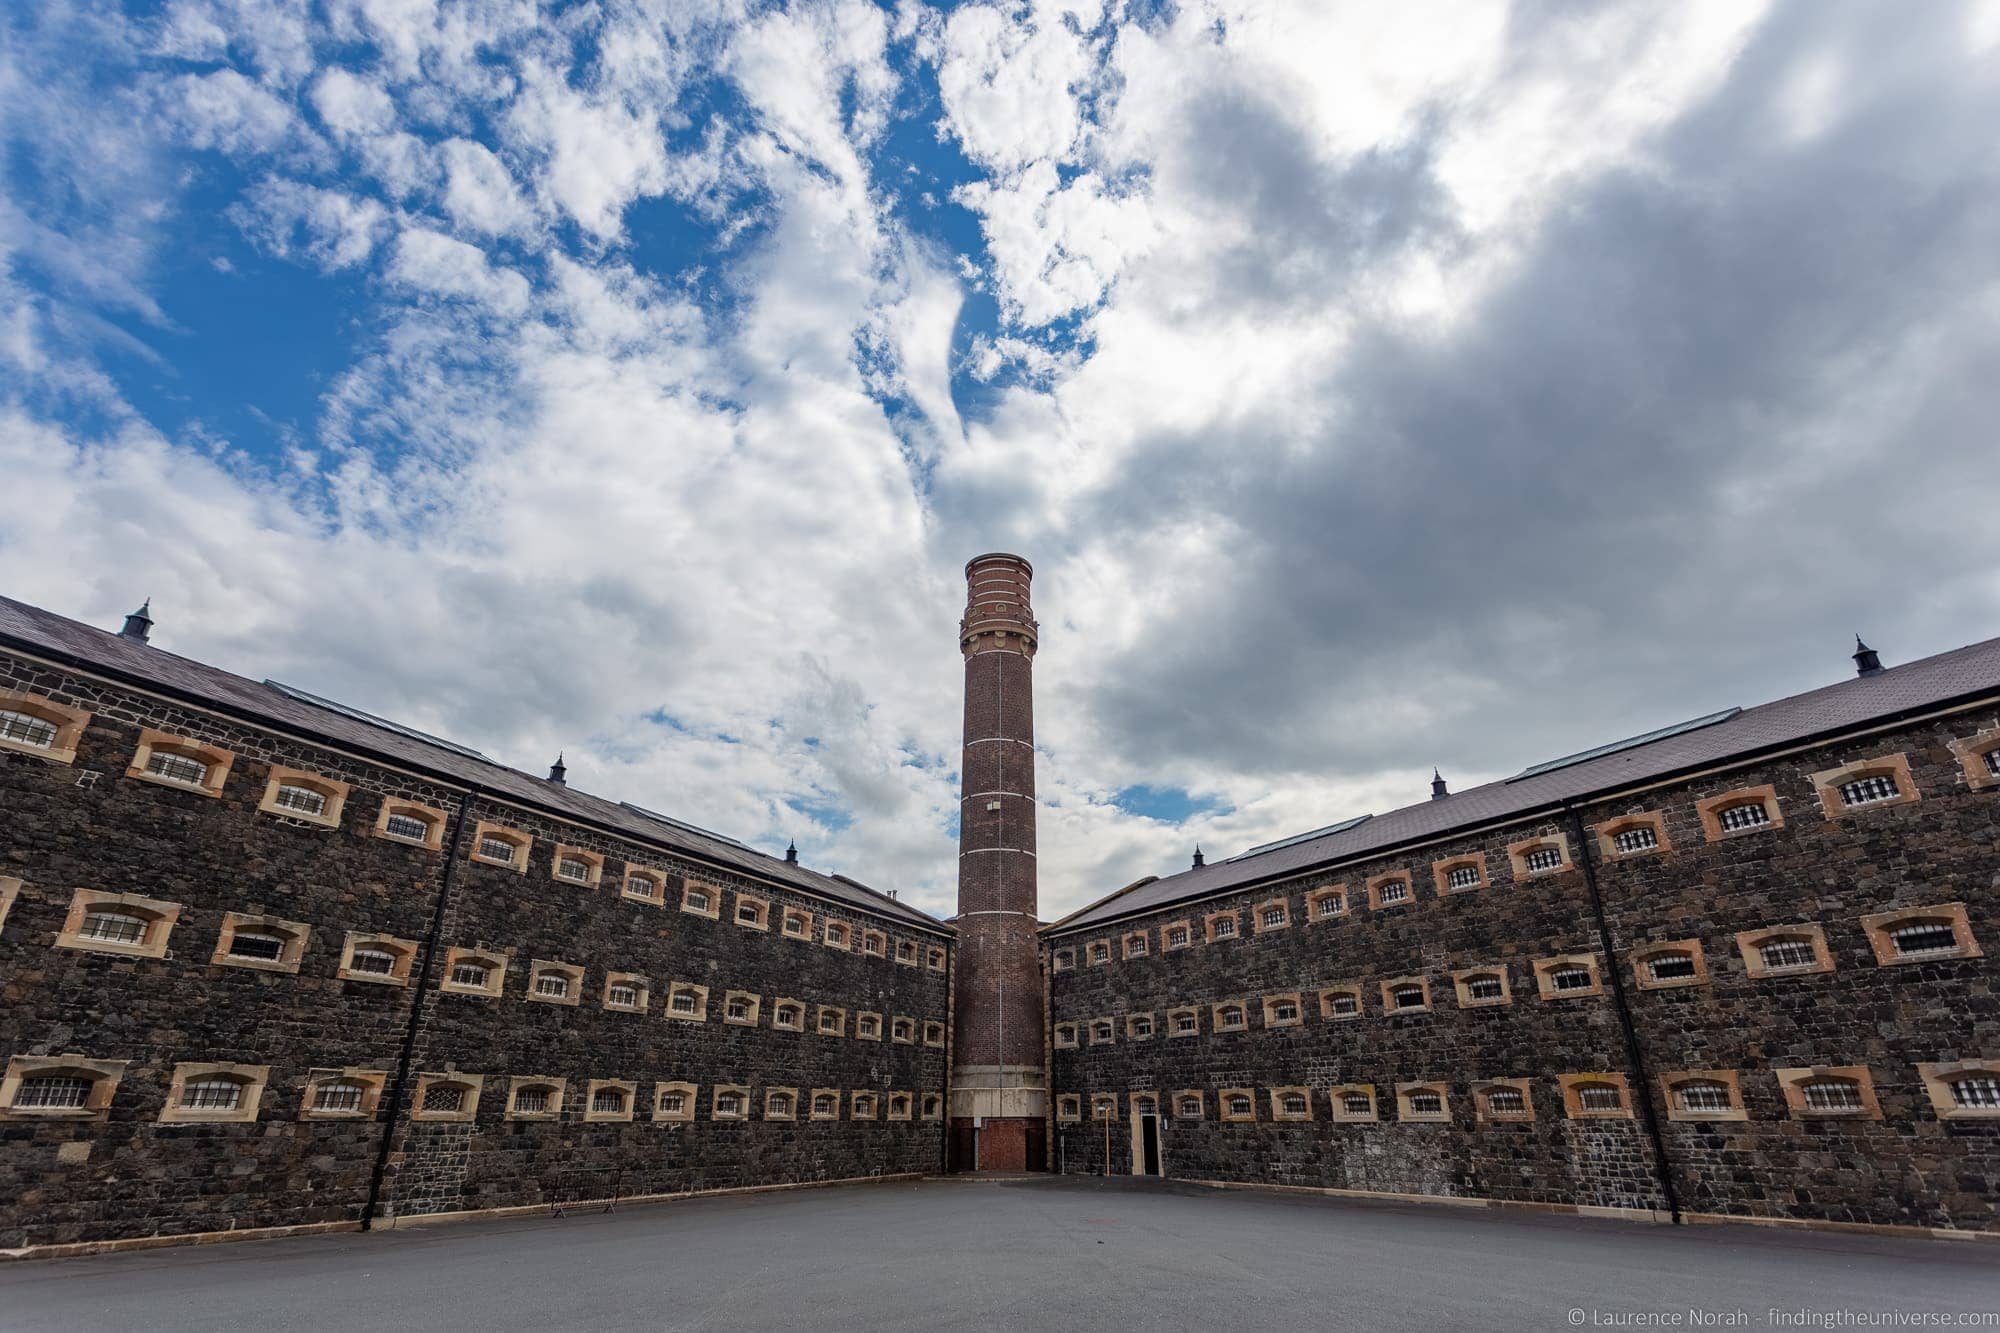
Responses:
[999,1094]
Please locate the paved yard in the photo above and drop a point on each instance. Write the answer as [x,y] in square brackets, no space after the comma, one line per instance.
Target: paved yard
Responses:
[1042,1254]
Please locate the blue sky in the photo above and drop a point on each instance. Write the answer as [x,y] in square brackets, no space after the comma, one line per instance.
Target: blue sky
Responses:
[1458,383]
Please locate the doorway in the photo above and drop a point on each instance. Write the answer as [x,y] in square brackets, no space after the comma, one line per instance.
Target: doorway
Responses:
[1146,1144]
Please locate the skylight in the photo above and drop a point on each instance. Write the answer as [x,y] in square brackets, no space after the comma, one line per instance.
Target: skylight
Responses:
[293,692]
[1330,829]
[1629,743]
[685,827]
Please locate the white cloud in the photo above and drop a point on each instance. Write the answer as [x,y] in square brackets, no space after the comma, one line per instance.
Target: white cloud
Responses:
[479,192]
[432,262]
[333,229]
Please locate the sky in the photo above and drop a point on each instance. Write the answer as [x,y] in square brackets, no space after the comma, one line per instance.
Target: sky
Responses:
[1373,387]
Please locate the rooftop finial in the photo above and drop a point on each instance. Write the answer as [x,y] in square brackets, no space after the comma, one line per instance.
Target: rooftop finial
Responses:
[1438,790]
[792,851]
[557,773]
[1867,662]
[1198,862]
[140,623]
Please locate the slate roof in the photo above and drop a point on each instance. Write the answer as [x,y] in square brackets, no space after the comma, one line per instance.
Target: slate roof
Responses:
[55,637]
[1960,675]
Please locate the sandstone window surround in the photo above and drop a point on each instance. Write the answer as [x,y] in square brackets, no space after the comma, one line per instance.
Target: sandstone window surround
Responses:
[260,943]
[700,898]
[830,1021]
[1504,1101]
[1864,786]
[933,1106]
[480,972]
[1137,944]
[1571,976]
[1221,926]
[1098,952]
[609,1101]
[874,944]
[214,1093]
[837,935]
[535,1098]
[411,824]
[1734,814]
[861,1105]
[1291,1104]
[1829,1092]
[1103,1031]
[627,992]
[305,798]
[934,957]
[1065,1036]
[342,1094]
[867,1026]
[1669,965]
[1176,935]
[1229,1016]
[674,1102]
[741,1008]
[381,960]
[497,845]
[1139,1027]
[933,1032]
[901,1104]
[10,889]
[1271,914]
[1063,960]
[731,1101]
[118,923]
[825,1104]
[643,885]
[1544,854]
[687,1002]
[903,1031]
[1703,1094]
[781,1103]
[447,1097]
[1285,1010]
[36,725]
[1920,934]
[1327,903]
[907,954]
[1237,1106]
[1184,1021]
[1406,995]
[1341,1001]
[1784,951]
[1481,987]
[1423,1102]
[1352,1103]
[752,912]
[180,762]
[1189,1104]
[553,982]
[1963,1089]
[576,867]
[1069,1108]
[787,1014]
[1103,1106]
[59,1087]
[1629,837]
[1459,874]
[1979,756]
[1390,890]
[1595,1096]
[796,924]
[1143,1103]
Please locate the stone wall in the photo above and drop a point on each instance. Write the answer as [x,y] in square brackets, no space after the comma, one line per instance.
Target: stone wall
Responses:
[1909,1167]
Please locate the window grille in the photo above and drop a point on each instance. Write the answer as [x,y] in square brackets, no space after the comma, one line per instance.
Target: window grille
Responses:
[1100,1032]
[1462,877]
[374,962]
[904,1029]
[177,768]
[1293,1104]
[256,944]
[748,913]
[1190,1108]
[794,924]
[335,1097]
[607,1101]
[1426,1103]
[531,1101]
[1640,838]
[1100,953]
[1345,1003]
[552,984]
[907,952]
[1332,905]
[872,1027]
[1833,1094]
[1407,997]
[673,1103]
[780,1104]
[739,1008]
[1506,1101]
[1750,814]
[641,886]
[444,1098]
[27,729]
[1225,926]
[824,1106]
[1993,761]
[829,1022]
[1136,946]
[1788,955]
[1142,1027]
[1186,1023]
[1284,1012]
[1980,1090]
[1670,966]
[1239,1106]
[407,827]
[1357,1103]
[114,928]
[837,936]
[212,1094]
[52,1092]
[1600,1097]
[936,958]
[864,1107]
[1868,790]
[872,944]
[1485,988]
[497,849]
[697,900]
[788,1016]
[1232,1017]
[683,1002]
[303,800]
[623,994]
[1544,858]
[1395,891]
[1924,937]
[1274,916]
[1704,1096]
[470,974]
[1177,938]
[573,868]
[1571,977]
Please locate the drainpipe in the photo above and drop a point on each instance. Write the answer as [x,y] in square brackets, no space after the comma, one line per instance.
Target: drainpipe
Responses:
[1634,1056]
[423,983]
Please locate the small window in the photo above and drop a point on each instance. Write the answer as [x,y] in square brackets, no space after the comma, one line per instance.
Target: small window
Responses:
[1836,1096]
[1103,1106]
[837,935]
[1967,1090]
[1870,784]
[36,725]
[627,991]
[53,1092]
[1504,1100]
[1632,841]
[406,828]
[1065,1036]
[933,1106]
[176,761]
[60,1087]
[1221,926]
[903,1030]
[342,1094]
[1541,858]
[1784,951]
[300,800]
[1282,1011]
[1867,791]
[874,943]
[262,943]
[210,1093]
[1230,1018]
[497,845]
[27,731]
[474,974]
[1482,986]
[1291,1104]
[687,1002]
[115,927]
[1064,960]
[181,768]
[609,1100]
[797,924]
[1703,1095]
[338,1098]
[674,1102]
[373,962]
[861,1106]
[1595,1097]
[868,1027]
[1238,1105]
[1338,1002]
[381,960]
[1069,1108]
[1406,995]
[537,1099]
[1666,966]
[788,1016]
[1100,952]
[906,953]
[899,1105]
[123,923]
[407,822]
[1188,1106]
[1570,978]
[743,1008]
[1747,815]
[1389,890]
[1326,904]
[1459,874]
[831,1022]
[1101,1031]
[732,1103]
[471,972]
[1184,1022]
[577,870]
[752,913]
[1273,915]
[780,1104]
[934,957]
[1462,877]
[1421,1101]
[1136,944]
[1921,935]
[1671,966]
[304,798]
[933,1033]
[700,900]
[825,1104]
[1979,756]
[1139,1027]
[1426,1103]
[555,983]
[643,886]
[1352,1103]
[1178,935]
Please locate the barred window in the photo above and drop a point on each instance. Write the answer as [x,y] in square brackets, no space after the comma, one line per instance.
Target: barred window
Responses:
[555,985]
[1332,904]
[573,868]
[304,800]
[697,900]
[1274,916]
[1485,987]
[906,951]
[1100,952]
[903,1029]
[407,827]
[1866,791]
[497,849]
[829,1021]
[256,944]
[1570,976]
[1977,1090]
[864,1107]
[1670,966]
[1505,1101]
[780,1103]
[1293,1103]
[212,1094]
[1407,997]
[52,1092]
[640,886]
[1345,1003]
[375,962]
[1284,1011]
[1788,955]
[1924,937]
[1136,946]
[1462,877]
[729,1103]
[747,912]
[794,924]
[336,1097]
[535,1101]
[1357,1103]
[623,994]
[1395,891]
[740,1007]
[1101,1030]
[115,927]
[871,943]
[1544,858]
[1833,1094]
[826,1104]
[1239,1105]
[1188,1108]
[1993,761]
[1186,1023]
[1640,838]
[673,1103]
[1600,1097]
[1142,1026]
[1703,1095]
[177,768]
[470,973]
[1426,1103]
[27,729]
[683,1002]
[867,1025]
[608,1101]
[1225,926]
[1750,814]
[1232,1016]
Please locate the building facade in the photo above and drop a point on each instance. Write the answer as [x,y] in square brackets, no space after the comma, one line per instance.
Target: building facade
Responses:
[1739,969]
[269,963]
